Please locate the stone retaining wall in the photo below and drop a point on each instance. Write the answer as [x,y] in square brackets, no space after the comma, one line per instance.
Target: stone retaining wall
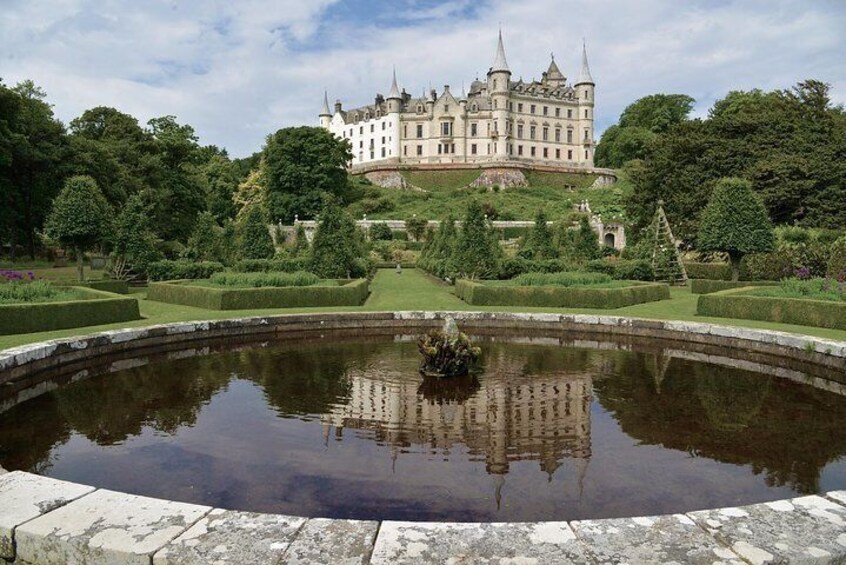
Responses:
[44,520]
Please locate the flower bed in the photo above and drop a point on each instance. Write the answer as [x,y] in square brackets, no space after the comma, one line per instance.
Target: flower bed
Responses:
[201,294]
[78,307]
[615,294]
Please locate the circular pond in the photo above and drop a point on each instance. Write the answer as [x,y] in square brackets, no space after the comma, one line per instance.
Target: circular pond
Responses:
[554,426]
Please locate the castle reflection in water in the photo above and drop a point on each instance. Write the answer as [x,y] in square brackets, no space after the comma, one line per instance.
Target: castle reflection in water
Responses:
[504,416]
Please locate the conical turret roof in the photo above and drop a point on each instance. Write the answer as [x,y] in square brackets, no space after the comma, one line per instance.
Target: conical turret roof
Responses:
[394,93]
[500,64]
[584,74]
[325,110]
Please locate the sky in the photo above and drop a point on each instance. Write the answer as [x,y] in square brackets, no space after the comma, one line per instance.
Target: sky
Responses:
[239,70]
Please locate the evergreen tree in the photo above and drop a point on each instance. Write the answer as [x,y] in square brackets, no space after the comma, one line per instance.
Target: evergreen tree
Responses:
[539,243]
[133,241]
[586,245]
[301,245]
[255,240]
[79,218]
[735,222]
[204,244]
[336,244]
[477,252]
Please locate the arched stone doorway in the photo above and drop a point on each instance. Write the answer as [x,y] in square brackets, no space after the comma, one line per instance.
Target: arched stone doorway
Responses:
[609,239]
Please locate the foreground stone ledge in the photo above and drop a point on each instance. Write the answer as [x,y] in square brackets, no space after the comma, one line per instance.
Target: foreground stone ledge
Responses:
[495,544]
[105,527]
[651,539]
[808,529]
[24,496]
[340,542]
[225,536]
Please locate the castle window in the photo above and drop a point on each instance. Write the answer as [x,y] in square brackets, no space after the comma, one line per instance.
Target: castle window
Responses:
[495,104]
[545,152]
[383,126]
[569,136]
[474,129]
[557,153]
[570,154]
[520,107]
[533,151]
[361,130]
[452,148]
[372,155]
[586,154]
[519,131]
[372,128]
[366,116]
[361,155]
[533,109]
[420,150]
[383,140]
[545,110]
[532,132]
[405,150]
[569,113]
[446,129]
[489,149]
[351,130]
[519,150]
[587,94]
[439,148]
[420,108]
[419,131]
[405,131]
[489,129]
[558,112]
[446,107]
[586,113]
[587,135]
[546,134]
[473,149]
[361,144]
[557,135]
[383,152]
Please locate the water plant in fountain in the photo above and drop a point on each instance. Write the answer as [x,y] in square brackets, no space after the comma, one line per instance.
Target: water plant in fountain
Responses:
[447,352]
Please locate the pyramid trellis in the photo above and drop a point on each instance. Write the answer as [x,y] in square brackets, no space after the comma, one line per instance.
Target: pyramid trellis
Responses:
[666,259]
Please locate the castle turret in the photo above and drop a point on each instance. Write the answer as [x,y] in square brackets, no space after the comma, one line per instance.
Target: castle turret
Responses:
[585,90]
[394,107]
[499,80]
[325,114]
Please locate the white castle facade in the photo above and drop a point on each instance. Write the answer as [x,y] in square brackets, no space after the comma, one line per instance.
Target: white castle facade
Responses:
[546,123]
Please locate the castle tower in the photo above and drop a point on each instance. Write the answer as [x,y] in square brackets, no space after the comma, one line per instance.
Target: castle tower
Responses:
[325,114]
[394,107]
[585,90]
[499,79]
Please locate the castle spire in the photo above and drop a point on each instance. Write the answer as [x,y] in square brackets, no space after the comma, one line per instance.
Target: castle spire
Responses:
[394,93]
[325,110]
[584,74]
[500,64]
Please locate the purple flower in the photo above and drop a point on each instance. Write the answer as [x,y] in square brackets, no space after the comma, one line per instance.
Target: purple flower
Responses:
[31,275]
[803,273]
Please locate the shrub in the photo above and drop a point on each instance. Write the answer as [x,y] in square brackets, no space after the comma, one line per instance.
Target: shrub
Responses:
[133,241]
[477,253]
[513,266]
[353,293]
[538,244]
[586,245]
[94,308]
[416,227]
[623,269]
[182,269]
[17,292]
[837,259]
[573,278]
[279,265]
[735,221]
[438,256]
[336,245]
[485,294]
[381,232]
[204,242]
[259,280]
[301,246]
[255,241]
[742,303]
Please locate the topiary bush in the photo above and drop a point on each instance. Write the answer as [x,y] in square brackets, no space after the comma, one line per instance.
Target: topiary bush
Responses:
[623,269]
[255,241]
[182,269]
[477,254]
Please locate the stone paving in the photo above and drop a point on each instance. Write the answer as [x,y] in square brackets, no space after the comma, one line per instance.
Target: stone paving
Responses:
[46,521]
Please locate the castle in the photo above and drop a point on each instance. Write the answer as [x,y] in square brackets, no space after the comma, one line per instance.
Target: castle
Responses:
[545,123]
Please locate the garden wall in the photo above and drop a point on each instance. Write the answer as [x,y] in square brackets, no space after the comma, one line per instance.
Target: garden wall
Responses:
[97,307]
[480,294]
[738,303]
[350,293]
[706,286]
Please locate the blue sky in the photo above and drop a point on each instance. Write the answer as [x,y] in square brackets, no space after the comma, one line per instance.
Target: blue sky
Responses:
[238,70]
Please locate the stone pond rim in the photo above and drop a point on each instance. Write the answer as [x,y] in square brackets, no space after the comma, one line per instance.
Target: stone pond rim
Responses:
[50,521]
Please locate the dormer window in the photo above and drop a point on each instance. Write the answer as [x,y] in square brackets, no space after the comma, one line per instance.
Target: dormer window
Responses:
[474,108]
[367,116]
[420,108]
[446,107]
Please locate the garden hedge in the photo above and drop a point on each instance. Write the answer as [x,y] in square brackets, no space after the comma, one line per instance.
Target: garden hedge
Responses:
[738,303]
[480,294]
[106,285]
[705,286]
[349,293]
[708,271]
[282,265]
[94,308]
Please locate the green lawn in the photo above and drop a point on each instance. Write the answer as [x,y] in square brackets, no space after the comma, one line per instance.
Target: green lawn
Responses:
[414,290]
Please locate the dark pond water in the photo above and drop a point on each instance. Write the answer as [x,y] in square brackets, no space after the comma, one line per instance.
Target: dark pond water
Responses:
[550,429]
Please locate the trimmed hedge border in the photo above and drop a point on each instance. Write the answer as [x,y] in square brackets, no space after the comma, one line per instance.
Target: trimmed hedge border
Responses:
[97,307]
[739,303]
[707,286]
[350,293]
[106,285]
[480,294]
[708,271]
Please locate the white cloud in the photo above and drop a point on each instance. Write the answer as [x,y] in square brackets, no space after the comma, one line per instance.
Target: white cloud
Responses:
[237,71]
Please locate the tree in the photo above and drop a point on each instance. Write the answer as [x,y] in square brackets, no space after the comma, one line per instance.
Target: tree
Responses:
[301,245]
[302,165]
[416,227]
[204,244]
[335,246]
[79,218]
[477,252]
[133,242]
[735,222]
[539,244]
[256,241]
[586,246]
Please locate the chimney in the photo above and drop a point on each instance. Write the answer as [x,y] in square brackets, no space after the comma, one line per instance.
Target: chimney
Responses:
[337,106]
